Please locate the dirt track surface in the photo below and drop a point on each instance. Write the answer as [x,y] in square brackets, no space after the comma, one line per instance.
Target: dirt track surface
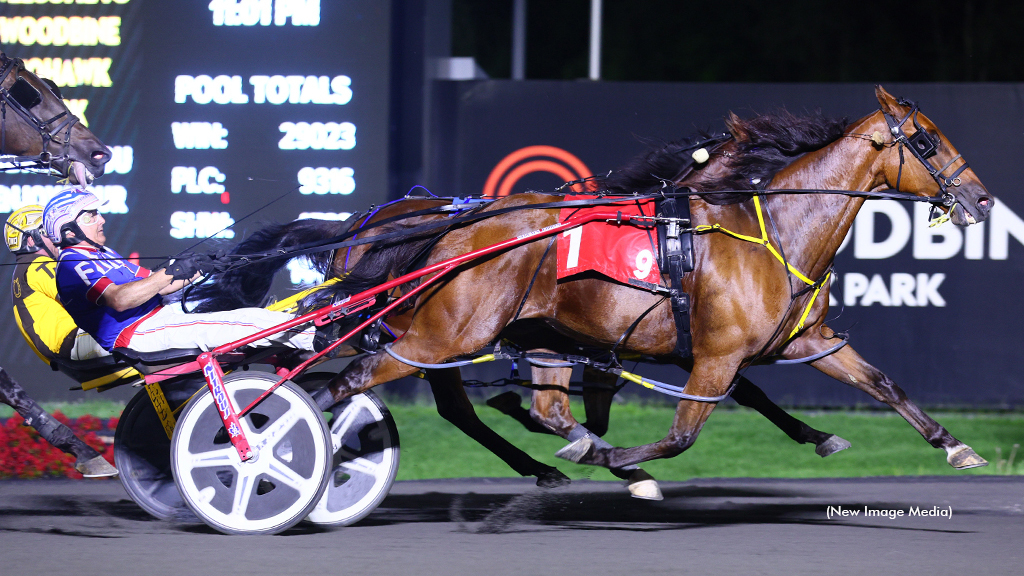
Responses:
[492,527]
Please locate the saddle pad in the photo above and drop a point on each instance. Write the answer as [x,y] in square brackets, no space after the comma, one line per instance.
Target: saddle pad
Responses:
[622,252]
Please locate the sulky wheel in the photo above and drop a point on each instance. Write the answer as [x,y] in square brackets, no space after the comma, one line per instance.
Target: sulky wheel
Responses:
[142,452]
[366,453]
[274,490]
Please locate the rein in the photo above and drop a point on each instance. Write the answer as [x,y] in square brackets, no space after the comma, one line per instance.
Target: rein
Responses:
[338,242]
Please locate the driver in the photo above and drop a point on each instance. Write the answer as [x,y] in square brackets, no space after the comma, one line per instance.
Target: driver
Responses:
[44,323]
[119,303]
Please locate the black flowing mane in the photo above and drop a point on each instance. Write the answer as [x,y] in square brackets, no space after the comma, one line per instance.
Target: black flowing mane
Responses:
[763,145]
[249,285]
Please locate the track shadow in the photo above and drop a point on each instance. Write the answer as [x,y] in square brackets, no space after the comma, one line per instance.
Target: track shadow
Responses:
[682,509]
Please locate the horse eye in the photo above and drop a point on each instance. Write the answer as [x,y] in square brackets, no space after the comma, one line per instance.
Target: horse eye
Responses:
[25,94]
[925,143]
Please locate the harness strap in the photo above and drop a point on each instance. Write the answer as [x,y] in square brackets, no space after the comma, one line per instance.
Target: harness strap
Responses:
[678,250]
[764,241]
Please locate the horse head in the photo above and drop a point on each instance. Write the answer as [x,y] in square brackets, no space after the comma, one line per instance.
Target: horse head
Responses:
[38,127]
[924,162]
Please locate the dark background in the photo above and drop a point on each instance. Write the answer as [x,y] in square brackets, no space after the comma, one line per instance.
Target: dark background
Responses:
[753,41]
[669,69]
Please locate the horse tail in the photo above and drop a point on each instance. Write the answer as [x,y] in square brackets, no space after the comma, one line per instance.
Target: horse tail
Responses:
[383,259]
[249,285]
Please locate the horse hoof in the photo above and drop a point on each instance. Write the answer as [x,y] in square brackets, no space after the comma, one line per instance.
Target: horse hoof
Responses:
[965,458]
[552,479]
[96,467]
[642,485]
[575,451]
[831,445]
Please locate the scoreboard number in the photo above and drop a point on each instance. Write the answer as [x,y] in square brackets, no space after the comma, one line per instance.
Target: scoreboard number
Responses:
[317,136]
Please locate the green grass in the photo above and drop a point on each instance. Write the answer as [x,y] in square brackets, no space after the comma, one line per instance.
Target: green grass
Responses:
[734,443]
[98,408]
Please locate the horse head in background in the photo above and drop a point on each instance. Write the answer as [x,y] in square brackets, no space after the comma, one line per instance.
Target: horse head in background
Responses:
[38,132]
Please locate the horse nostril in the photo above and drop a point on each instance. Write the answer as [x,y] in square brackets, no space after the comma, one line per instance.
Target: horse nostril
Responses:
[100,157]
[984,202]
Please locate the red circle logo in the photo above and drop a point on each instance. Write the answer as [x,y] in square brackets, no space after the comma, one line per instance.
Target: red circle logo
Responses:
[534,159]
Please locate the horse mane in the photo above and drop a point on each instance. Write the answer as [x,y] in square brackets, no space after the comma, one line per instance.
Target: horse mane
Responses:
[763,146]
[249,286]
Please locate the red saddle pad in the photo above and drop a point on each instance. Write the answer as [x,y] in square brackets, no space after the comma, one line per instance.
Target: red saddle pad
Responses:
[623,252]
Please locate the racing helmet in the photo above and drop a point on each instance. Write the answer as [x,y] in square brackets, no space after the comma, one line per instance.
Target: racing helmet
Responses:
[61,212]
[21,224]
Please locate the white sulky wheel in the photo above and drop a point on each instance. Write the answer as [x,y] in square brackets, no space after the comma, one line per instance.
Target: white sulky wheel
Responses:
[269,493]
[366,454]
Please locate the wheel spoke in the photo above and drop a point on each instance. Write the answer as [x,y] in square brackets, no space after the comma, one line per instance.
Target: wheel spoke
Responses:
[278,471]
[361,465]
[342,425]
[223,457]
[278,428]
[243,492]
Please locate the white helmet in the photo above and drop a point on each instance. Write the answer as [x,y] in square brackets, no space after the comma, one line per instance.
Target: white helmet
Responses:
[62,211]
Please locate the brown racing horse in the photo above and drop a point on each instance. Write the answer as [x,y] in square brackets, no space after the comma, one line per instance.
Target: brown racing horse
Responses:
[748,305]
[250,285]
[39,132]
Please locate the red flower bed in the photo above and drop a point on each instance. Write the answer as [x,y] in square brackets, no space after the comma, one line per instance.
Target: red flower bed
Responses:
[24,454]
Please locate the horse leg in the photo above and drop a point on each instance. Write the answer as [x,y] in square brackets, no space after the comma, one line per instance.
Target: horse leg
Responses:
[550,407]
[511,404]
[87,461]
[598,391]
[452,402]
[849,367]
[746,393]
[597,400]
[454,406]
[710,377]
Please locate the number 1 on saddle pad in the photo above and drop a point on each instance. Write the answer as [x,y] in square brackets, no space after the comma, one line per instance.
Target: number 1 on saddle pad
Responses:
[623,252]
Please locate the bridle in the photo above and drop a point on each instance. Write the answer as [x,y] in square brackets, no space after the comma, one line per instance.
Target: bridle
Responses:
[21,97]
[923,145]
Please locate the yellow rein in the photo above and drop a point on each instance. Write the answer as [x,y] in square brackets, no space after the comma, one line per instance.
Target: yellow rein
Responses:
[764,241]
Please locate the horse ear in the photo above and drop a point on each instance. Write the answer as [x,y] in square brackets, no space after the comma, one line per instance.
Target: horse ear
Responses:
[735,126]
[888,102]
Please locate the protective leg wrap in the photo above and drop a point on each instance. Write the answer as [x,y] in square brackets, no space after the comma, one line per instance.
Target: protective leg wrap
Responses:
[323,398]
[56,433]
[580,432]
[45,424]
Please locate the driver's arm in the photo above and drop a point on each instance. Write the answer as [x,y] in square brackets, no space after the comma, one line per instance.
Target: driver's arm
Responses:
[121,297]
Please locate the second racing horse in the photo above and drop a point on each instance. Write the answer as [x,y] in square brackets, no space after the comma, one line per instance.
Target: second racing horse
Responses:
[38,132]
[755,251]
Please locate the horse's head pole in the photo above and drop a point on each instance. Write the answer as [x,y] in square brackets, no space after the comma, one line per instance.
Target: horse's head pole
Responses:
[934,168]
[37,128]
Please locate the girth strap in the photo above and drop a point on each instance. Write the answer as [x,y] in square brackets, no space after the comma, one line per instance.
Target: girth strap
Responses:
[675,256]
